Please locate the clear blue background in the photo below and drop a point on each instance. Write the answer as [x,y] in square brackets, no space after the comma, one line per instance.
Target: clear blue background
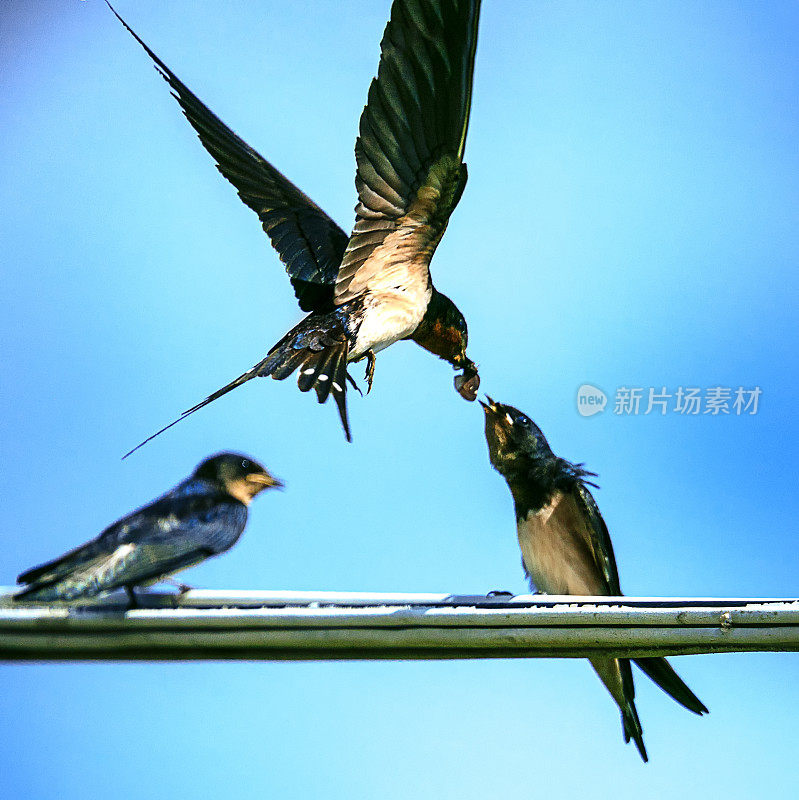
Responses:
[630,219]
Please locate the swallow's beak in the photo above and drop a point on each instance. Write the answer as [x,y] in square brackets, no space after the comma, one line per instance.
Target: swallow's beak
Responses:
[489,406]
[265,480]
[496,415]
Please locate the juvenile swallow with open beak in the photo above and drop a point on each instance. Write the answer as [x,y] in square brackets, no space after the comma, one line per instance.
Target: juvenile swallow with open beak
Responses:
[371,289]
[566,546]
[201,517]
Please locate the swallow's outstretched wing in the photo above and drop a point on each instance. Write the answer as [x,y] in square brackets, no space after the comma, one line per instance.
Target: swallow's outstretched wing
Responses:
[169,535]
[308,242]
[409,152]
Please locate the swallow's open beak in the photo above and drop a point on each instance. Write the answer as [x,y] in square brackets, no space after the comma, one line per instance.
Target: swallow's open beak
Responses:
[496,414]
[265,480]
[489,406]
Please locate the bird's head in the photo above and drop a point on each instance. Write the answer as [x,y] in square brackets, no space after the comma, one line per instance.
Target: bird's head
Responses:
[238,475]
[444,333]
[512,437]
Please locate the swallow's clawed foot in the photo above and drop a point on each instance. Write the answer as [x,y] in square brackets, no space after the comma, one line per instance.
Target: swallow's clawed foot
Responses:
[413,127]
[204,515]
[369,375]
[133,601]
[370,369]
[181,587]
[354,385]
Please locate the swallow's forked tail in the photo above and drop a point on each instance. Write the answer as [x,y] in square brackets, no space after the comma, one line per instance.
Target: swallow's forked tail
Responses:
[617,676]
[663,674]
[318,345]
[631,726]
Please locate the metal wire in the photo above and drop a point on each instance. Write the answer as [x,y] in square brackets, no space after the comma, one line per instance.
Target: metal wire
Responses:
[338,625]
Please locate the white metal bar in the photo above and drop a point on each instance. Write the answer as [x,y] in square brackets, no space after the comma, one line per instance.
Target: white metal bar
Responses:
[247,598]
[335,625]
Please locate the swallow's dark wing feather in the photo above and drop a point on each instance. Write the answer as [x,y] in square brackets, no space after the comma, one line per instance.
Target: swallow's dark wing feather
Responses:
[193,529]
[128,565]
[409,152]
[308,242]
[63,565]
[102,546]
[658,669]
[599,538]
[170,534]
[212,520]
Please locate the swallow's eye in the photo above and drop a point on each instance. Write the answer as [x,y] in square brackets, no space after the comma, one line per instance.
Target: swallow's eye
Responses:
[523,421]
[245,464]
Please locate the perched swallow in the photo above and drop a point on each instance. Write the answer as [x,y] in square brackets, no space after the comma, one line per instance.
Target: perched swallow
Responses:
[371,289]
[201,517]
[566,546]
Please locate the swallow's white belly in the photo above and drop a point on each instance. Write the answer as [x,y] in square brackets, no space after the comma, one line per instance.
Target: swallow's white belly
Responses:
[555,550]
[389,316]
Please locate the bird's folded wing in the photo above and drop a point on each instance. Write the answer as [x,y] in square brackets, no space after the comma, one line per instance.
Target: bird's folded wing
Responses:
[63,565]
[308,242]
[208,521]
[598,538]
[167,530]
[409,152]
[194,529]
[127,565]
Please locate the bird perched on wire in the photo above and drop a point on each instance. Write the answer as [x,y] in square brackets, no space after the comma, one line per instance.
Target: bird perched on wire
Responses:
[566,546]
[201,517]
[371,289]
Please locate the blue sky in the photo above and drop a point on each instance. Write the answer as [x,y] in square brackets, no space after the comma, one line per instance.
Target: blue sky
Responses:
[630,220]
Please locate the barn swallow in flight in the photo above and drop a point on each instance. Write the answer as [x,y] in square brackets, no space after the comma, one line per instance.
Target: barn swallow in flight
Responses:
[201,517]
[371,289]
[566,546]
